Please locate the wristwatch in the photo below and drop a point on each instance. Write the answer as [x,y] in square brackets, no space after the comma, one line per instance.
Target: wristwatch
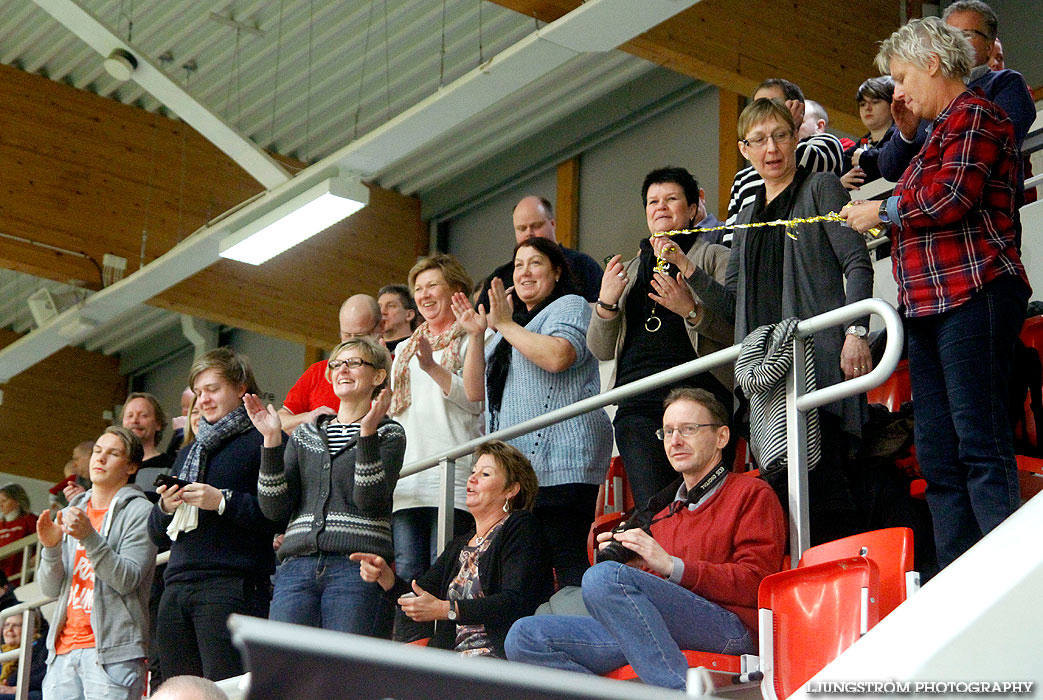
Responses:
[692,316]
[882,213]
[857,331]
[452,614]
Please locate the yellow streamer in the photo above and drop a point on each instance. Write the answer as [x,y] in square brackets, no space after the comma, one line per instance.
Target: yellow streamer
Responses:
[789,224]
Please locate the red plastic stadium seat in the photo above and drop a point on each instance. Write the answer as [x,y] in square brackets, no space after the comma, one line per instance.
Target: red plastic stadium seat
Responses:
[895,391]
[809,616]
[890,549]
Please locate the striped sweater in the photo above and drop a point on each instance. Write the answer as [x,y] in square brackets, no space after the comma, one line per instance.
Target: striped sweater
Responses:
[336,503]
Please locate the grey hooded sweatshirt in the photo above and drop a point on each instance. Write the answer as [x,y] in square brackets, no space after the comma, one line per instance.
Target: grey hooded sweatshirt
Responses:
[124,559]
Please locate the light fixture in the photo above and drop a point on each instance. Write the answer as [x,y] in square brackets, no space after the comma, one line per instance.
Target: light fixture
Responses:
[120,64]
[300,218]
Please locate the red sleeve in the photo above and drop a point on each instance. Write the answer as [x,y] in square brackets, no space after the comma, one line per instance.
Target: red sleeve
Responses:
[299,396]
[969,149]
[758,544]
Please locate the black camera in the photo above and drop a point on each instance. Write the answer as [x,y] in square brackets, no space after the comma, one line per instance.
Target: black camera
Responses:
[615,551]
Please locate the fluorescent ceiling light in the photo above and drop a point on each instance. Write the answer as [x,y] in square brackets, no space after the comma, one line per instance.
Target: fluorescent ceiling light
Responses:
[312,211]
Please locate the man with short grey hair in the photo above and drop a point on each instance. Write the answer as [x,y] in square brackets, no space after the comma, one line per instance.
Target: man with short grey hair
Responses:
[1007,88]
[313,395]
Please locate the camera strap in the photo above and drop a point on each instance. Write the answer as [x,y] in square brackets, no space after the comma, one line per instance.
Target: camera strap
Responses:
[696,493]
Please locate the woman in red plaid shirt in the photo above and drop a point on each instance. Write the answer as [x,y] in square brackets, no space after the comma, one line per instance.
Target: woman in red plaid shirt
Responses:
[961,284]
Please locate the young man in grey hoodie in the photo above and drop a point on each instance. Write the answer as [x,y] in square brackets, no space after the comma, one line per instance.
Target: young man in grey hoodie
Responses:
[98,560]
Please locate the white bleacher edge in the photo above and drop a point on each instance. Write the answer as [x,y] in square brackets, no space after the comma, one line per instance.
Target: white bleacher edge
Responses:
[980,619]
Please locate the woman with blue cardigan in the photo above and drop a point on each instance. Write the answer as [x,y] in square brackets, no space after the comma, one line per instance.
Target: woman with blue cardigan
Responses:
[536,362]
[333,482]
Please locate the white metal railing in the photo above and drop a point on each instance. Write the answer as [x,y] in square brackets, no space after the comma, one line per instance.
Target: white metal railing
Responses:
[798,403]
[29,546]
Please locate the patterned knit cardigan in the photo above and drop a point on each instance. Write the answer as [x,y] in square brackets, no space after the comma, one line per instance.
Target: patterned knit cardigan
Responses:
[339,503]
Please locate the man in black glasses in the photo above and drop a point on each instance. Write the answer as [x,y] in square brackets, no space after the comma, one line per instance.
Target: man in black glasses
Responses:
[681,574]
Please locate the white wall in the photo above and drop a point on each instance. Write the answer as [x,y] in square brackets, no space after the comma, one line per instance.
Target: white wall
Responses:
[611,217]
[483,238]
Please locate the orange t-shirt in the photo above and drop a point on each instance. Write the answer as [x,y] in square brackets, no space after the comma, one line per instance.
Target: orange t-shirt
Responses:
[77,632]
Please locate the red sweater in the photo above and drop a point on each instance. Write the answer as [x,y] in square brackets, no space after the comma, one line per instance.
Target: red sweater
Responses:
[311,391]
[728,544]
[22,526]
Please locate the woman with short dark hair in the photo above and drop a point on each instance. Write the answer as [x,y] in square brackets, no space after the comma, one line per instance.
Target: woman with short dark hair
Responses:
[647,320]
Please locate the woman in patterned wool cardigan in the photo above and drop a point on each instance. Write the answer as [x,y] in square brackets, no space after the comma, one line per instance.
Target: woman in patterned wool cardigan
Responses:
[333,480]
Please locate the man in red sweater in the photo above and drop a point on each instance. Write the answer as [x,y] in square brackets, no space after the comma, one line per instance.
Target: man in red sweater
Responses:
[684,572]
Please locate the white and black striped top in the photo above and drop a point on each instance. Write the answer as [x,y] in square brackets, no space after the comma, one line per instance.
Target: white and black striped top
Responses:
[338,435]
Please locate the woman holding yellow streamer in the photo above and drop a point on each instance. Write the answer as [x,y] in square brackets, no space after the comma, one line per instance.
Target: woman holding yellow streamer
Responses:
[772,276]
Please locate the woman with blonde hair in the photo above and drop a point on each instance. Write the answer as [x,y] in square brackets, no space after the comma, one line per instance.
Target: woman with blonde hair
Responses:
[431,403]
[332,482]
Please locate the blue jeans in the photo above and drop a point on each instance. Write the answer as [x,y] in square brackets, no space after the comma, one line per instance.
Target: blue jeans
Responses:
[959,369]
[416,538]
[77,674]
[637,618]
[325,590]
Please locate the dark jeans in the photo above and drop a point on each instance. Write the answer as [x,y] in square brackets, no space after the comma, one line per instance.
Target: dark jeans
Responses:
[959,368]
[644,459]
[192,628]
[565,513]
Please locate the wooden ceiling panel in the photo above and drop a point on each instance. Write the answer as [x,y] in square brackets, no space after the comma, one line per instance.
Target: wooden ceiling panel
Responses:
[94,175]
[736,45]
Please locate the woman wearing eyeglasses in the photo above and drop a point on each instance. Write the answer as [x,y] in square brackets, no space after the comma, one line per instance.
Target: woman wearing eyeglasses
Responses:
[772,276]
[333,481]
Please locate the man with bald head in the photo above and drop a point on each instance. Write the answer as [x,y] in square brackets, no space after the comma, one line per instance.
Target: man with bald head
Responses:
[534,216]
[313,395]
[189,688]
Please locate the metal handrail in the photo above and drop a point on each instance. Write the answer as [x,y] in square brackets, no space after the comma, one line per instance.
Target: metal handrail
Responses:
[802,402]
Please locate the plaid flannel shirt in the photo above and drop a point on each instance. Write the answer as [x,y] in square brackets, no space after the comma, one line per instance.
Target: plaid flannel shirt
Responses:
[955,204]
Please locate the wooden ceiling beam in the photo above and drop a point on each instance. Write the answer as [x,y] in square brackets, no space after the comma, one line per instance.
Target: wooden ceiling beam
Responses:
[736,45]
[93,175]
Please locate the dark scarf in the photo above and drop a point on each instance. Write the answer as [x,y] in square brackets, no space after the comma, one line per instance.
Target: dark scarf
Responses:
[499,365]
[208,438]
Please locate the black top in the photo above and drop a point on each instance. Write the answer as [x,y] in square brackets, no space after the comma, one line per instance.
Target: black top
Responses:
[584,268]
[236,543]
[515,573]
[765,248]
[645,353]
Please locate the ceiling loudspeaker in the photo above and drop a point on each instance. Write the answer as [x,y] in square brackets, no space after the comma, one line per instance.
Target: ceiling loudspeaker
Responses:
[45,305]
[120,64]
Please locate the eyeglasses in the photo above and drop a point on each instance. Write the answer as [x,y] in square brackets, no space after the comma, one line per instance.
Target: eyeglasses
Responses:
[687,430]
[350,363]
[779,137]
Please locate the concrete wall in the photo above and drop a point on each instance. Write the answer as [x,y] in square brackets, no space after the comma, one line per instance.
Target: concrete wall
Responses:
[611,218]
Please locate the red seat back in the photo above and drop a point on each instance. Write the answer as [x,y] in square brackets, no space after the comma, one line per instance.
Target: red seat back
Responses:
[813,614]
[1032,333]
[895,391]
[892,552]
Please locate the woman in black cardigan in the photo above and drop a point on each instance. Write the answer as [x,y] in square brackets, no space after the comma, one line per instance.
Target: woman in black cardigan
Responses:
[487,578]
